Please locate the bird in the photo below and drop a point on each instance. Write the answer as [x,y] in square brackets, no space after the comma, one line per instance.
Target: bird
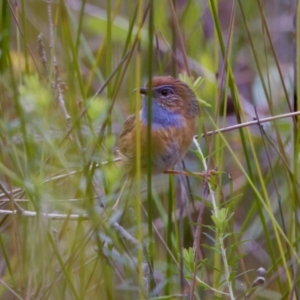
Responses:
[174,114]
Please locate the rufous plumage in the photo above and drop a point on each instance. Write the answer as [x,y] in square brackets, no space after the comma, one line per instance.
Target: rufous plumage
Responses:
[175,111]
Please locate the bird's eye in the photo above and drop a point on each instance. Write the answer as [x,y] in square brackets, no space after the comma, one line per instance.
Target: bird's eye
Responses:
[164,92]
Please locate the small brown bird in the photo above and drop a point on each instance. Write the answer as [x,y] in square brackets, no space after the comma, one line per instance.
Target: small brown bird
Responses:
[175,111]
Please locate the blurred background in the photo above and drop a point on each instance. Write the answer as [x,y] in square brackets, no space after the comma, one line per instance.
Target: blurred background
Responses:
[68,70]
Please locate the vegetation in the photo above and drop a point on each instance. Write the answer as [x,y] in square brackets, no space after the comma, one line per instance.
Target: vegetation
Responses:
[67,74]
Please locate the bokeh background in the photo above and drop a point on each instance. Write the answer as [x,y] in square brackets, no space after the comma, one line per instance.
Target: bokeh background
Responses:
[64,97]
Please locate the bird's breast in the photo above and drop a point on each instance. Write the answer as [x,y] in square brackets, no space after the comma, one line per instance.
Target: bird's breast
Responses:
[169,141]
[169,144]
[161,117]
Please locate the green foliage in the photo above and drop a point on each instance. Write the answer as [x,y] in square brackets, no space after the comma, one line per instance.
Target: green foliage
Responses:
[61,235]
[220,218]
[34,97]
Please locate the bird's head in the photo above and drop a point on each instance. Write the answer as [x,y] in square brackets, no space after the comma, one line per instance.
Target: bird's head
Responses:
[173,95]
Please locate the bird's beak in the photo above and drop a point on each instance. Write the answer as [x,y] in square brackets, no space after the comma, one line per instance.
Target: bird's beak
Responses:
[142,90]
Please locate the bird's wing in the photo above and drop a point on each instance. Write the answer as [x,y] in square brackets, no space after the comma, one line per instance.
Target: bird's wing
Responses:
[128,126]
[126,142]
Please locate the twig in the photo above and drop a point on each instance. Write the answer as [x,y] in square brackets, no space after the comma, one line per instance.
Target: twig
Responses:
[52,216]
[221,236]
[42,51]
[124,234]
[11,199]
[12,290]
[57,177]
[58,85]
[255,122]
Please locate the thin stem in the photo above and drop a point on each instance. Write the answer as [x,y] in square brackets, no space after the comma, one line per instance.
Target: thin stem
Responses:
[250,123]
[221,236]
